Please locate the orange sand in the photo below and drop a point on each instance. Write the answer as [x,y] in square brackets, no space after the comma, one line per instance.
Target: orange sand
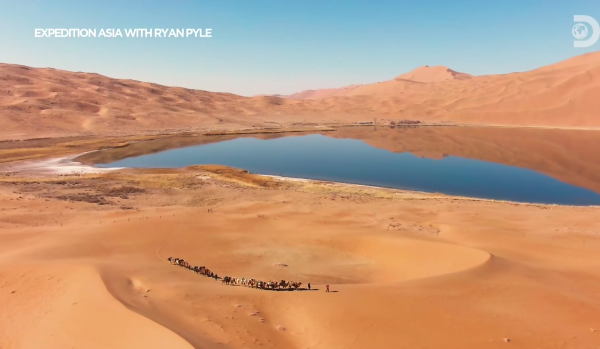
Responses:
[408,270]
[48,102]
[83,258]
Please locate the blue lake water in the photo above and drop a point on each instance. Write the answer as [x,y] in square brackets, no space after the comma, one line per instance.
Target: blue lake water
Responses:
[353,161]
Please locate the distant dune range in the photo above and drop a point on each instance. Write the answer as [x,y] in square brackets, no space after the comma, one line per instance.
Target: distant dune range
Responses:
[424,74]
[48,102]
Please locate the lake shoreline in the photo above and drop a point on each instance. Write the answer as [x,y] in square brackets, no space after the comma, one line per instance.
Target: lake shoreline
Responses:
[68,167]
[280,129]
[493,144]
[343,156]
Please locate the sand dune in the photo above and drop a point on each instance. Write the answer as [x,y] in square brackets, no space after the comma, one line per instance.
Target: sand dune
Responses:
[433,74]
[424,74]
[64,306]
[38,102]
[320,93]
[556,95]
[407,273]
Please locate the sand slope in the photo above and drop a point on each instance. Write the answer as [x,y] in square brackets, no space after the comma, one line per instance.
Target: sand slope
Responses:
[423,74]
[320,93]
[409,271]
[64,306]
[433,74]
[557,95]
[47,102]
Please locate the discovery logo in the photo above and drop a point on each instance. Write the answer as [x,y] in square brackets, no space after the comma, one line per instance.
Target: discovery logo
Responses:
[580,31]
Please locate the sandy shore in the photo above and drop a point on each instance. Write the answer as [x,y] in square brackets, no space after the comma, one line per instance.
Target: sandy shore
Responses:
[64,165]
[83,264]
[67,166]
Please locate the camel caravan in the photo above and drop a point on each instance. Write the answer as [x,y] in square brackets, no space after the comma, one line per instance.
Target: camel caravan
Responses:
[228,280]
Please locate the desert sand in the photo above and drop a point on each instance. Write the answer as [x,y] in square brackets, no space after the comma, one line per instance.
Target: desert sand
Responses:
[424,74]
[45,102]
[83,264]
[433,74]
[83,251]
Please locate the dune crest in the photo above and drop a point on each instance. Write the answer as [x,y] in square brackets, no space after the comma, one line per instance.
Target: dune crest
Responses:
[320,93]
[433,74]
[43,102]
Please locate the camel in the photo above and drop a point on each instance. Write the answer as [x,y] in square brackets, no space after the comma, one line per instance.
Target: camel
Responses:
[228,280]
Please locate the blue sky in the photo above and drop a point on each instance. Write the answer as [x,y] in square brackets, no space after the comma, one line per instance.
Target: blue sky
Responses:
[287,46]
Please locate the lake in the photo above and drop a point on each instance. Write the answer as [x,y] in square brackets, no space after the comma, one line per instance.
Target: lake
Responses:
[330,158]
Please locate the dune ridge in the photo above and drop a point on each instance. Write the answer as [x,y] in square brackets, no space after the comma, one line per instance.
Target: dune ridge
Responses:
[41,102]
[433,74]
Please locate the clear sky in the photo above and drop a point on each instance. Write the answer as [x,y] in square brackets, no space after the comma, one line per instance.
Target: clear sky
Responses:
[267,46]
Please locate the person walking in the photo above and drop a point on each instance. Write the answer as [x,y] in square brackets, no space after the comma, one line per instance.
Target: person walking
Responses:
[327,288]
[309,286]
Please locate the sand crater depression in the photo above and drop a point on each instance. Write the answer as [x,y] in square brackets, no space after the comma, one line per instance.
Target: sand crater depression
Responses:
[276,245]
